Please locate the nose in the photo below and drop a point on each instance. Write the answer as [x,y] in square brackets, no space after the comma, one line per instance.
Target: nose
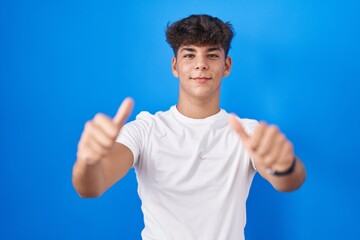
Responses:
[201,63]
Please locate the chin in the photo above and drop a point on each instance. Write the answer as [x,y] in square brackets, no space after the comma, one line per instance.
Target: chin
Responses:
[204,95]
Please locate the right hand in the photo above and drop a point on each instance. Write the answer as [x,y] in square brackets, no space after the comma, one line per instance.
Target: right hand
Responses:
[100,133]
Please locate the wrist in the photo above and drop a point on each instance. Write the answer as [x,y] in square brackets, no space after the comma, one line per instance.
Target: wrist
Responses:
[288,171]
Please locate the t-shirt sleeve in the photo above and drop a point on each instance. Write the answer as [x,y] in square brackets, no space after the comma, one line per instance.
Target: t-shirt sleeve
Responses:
[132,135]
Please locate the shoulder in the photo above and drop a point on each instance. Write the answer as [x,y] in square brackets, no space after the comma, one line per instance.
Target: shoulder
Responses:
[146,119]
[149,117]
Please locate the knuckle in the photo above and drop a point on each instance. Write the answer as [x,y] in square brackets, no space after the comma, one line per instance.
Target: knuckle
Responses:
[98,117]
[281,138]
[262,124]
[88,125]
[274,128]
[79,155]
[290,147]
[80,145]
[259,129]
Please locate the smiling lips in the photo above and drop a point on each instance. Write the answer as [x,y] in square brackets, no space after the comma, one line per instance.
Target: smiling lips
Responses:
[200,79]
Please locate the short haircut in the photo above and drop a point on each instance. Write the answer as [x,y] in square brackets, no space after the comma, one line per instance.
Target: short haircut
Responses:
[199,30]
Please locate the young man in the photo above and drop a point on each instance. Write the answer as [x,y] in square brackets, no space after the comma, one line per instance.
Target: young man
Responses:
[195,162]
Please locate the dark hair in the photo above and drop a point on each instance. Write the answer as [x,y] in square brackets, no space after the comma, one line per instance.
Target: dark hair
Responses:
[199,30]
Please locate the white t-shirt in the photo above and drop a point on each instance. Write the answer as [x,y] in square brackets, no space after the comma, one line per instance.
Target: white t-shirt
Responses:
[193,175]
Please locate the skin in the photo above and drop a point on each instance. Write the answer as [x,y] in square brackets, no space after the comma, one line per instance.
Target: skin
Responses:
[101,161]
[270,149]
[200,71]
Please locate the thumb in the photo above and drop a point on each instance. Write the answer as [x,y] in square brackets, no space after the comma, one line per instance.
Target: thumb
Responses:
[236,125]
[123,112]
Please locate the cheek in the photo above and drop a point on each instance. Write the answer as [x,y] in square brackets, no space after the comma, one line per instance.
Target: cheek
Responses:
[220,71]
[184,68]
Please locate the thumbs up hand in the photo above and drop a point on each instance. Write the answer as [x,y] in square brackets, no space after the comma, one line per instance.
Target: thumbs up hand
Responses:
[268,147]
[99,134]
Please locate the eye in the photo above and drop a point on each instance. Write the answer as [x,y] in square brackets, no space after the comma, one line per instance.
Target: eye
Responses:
[213,56]
[189,55]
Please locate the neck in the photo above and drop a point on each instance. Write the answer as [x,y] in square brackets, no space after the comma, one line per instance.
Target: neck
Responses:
[198,108]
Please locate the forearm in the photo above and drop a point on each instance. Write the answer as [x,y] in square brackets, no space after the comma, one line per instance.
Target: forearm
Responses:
[91,179]
[287,183]
[88,179]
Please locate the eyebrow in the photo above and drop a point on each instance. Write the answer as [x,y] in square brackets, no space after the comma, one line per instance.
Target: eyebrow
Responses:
[189,49]
[213,49]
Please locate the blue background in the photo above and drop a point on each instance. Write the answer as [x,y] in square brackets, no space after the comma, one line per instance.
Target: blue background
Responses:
[295,64]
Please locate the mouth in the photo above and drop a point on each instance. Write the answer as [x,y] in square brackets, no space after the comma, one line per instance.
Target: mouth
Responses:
[201,79]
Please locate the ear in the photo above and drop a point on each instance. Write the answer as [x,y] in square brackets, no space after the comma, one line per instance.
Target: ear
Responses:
[173,67]
[228,64]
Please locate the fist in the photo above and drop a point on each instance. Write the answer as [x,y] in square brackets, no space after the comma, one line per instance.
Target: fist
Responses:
[268,147]
[99,134]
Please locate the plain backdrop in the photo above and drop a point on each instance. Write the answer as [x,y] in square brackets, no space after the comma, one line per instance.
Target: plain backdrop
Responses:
[295,64]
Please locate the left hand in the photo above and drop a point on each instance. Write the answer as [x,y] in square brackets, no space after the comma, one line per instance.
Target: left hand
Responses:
[268,147]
